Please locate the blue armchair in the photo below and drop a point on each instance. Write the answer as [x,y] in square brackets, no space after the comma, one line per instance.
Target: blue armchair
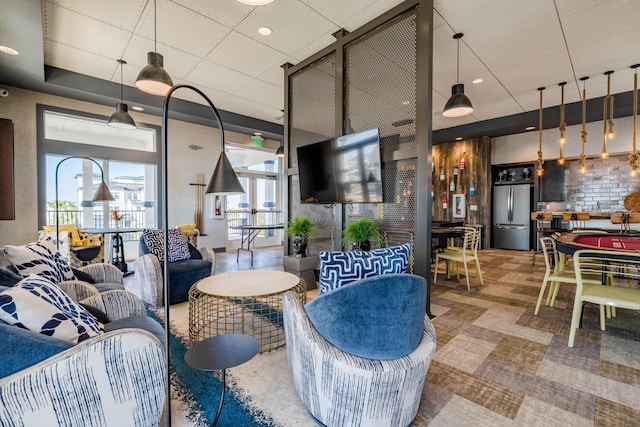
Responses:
[359,354]
[182,274]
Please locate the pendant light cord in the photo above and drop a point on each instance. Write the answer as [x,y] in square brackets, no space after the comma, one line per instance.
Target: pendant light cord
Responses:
[458,64]
[121,86]
[633,156]
[155,26]
[583,132]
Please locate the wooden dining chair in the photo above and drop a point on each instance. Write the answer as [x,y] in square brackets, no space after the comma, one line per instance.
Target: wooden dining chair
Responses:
[605,263]
[468,253]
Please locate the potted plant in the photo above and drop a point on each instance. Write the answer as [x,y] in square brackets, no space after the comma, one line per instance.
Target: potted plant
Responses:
[359,234]
[301,228]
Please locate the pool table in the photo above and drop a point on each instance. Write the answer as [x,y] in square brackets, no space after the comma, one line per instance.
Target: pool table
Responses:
[568,243]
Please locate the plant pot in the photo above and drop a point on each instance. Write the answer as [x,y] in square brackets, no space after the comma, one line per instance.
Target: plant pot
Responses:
[362,246]
[299,247]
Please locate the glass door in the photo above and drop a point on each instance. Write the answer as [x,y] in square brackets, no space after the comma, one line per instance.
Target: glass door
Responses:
[259,205]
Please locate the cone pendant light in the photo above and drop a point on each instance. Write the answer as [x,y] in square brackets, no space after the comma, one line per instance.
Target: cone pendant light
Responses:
[121,118]
[459,104]
[153,78]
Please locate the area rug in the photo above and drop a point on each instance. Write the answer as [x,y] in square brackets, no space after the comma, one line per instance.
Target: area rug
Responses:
[253,397]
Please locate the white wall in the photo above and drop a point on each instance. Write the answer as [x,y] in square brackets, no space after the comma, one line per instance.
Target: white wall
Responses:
[184,163]
[523,147]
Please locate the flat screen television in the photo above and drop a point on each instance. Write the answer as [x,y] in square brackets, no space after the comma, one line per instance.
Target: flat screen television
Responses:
[346,169]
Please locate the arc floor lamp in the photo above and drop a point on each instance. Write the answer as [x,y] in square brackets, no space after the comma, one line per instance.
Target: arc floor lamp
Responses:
[102,194]
[223,182]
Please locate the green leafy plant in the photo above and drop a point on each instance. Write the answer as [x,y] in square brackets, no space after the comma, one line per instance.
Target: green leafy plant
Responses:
[302,226]
[361,233]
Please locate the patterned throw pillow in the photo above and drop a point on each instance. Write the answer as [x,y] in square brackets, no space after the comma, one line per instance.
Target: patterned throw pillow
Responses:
[39,305]
[339,268]
[178,246]
[41,258]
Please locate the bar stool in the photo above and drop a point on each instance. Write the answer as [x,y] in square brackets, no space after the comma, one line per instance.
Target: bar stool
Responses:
[544,228]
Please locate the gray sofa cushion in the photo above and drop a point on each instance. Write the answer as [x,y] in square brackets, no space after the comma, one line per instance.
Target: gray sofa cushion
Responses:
[140,322]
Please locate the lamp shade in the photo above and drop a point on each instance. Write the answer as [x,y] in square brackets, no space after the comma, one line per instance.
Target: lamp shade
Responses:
[153,78]
[280,151]
[103,194]
[458,105]
[121,118]
[224,179]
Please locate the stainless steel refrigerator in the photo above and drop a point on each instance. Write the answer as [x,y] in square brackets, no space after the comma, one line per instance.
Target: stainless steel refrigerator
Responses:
[511,216]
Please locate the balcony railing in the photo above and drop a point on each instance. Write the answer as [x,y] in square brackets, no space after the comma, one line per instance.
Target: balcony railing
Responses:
[235,218]
[131,219]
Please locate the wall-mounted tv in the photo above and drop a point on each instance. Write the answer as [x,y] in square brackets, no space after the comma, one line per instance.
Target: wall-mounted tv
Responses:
[346,169]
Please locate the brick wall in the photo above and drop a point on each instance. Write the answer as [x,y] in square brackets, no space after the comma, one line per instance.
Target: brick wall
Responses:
[606,182]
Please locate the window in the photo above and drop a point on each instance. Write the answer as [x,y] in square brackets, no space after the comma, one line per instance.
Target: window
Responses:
[129,160]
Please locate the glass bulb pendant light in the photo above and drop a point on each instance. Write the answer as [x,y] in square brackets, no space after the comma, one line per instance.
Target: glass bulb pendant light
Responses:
[633,156]
[563,124]
[153,78]
[607,119]
[583,132]
[121,118]
[540,168]
[459,104]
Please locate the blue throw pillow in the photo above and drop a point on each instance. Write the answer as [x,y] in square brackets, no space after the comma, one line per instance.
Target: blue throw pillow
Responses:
[178,245]
[41,306]
[340,268]
[378,317]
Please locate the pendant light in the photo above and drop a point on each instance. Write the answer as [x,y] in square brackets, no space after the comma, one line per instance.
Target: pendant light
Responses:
[121,118]
[153,78]
[563,124]
[583,132]
[459,104]
[540,168]
[607,117]
[633,156]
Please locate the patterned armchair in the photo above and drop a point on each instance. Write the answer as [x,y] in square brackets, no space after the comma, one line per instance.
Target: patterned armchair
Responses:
[115,378]
[359,354]
[78,248]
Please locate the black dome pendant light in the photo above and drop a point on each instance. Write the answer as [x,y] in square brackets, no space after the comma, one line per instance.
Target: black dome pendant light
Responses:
[459,104]
[121,118]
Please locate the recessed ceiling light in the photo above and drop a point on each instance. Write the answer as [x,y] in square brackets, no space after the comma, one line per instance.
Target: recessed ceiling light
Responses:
[265,31]
[9,50]
[405,102]
[477,81]
[530,128]
[137,108]
[459,138]
[256,2]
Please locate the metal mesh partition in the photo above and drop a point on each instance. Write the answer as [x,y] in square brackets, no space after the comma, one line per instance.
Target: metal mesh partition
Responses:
[380,69]
[312,97]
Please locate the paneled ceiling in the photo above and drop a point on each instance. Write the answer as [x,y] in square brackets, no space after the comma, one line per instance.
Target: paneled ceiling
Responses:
[514,46]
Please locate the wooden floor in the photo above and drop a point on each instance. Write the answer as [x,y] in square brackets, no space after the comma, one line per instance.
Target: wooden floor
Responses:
[497,364]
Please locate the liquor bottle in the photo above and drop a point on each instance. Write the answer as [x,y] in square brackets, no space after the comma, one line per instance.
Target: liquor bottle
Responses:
[452,185]
[433,167]
[442,177]
[432,194]
[455,168]
[444,202]
[472,189]
[462,164]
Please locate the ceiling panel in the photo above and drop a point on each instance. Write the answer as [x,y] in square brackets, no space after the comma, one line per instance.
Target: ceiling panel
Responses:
[232,53]
[514,45]
[289,35]
[226,80]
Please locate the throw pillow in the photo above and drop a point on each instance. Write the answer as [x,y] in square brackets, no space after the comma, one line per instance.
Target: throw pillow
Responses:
[41,258]
[81,275]
[8,277]
[75,235]
[340,268]
[39,305]
[178,246]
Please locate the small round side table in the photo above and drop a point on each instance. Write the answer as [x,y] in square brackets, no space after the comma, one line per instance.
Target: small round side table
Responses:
[222,352]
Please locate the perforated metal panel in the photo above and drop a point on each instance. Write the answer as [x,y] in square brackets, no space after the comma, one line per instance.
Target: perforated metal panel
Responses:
[312,101]
[380,71]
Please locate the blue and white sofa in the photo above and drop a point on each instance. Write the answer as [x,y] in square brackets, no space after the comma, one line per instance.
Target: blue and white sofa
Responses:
[359,352]
[98,360]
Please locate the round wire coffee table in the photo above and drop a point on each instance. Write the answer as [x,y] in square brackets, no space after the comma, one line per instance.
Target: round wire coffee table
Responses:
[242,302]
